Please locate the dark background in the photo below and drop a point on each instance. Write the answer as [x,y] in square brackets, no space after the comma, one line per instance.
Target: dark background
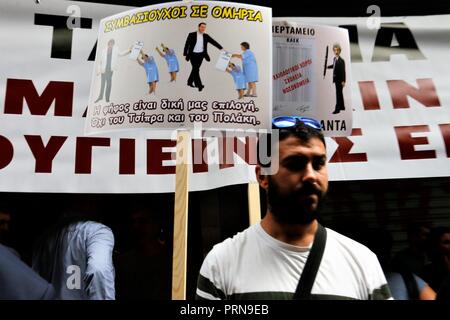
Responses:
[353,208]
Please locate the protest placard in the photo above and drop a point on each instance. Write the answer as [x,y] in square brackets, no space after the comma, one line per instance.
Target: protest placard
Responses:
[171,83]
[312,74]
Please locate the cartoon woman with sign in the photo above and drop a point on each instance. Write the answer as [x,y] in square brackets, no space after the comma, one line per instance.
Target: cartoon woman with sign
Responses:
[250,68]
[171,59]
[238,77]
[151,69]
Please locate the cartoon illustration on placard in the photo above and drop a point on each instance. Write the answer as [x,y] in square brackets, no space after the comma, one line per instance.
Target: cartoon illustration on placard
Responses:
[195,50]
[171,59]
[155,88]
[238,78]
[338,67]
[311,70]
[151,71]
[106,67]
[250,68]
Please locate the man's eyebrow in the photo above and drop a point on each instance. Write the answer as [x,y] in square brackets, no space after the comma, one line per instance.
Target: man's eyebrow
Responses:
[321,156]
[302,157]
[295,157]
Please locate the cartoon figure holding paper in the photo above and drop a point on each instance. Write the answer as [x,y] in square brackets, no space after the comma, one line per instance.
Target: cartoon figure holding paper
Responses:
[238,77]
[136,50]
[151,70]
[171,59]
[338,67]
[107,65]
[250,68]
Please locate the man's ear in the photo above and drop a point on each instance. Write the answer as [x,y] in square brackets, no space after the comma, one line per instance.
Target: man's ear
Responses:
[263,179]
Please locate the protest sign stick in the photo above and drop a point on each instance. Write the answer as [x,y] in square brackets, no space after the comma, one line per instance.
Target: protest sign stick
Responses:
[179,258]
[254,206]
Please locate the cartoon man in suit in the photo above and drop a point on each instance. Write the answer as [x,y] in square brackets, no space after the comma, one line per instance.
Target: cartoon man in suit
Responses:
[195,50]
[338,67]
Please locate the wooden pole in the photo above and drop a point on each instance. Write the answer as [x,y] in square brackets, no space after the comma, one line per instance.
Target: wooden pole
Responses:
[179,259]
[254,206]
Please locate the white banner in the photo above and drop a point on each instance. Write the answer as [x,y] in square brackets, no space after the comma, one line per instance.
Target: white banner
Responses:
[400,92]
[401,98]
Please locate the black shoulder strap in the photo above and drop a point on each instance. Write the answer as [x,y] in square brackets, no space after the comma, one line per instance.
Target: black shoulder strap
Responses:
[308,277]
[410,284]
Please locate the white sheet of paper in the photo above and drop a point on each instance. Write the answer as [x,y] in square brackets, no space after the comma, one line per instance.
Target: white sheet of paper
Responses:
[223,61]
[138,45]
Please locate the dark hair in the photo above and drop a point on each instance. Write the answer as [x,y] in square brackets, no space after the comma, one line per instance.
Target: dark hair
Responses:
[300,130]
[337,46]
[5,210]
[202,23]
[434,240]
[414,228]
[246,45]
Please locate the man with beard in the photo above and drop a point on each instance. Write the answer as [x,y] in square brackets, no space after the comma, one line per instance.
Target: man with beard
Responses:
[267,260]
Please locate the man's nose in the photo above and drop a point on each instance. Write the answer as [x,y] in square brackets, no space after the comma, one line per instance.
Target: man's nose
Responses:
[309,173]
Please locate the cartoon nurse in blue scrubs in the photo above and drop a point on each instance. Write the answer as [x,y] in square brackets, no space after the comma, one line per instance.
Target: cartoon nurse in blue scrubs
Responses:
[171,59]
[250,68]
[151,69]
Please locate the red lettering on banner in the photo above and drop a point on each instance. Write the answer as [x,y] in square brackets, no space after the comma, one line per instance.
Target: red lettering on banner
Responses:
[19,89]
[6,152]
[369,95]
[199,156]
[44,155]
[406,143]
[342,153]
[127,156]
[156,156]
[445,130]
[245,150]
[426,93]
[83,153]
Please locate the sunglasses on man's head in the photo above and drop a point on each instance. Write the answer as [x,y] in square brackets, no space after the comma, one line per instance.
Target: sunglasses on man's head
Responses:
[283,122]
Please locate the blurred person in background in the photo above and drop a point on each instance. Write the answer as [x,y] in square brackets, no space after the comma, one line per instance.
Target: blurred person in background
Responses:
[404,284]
[5,230]
[19,282]
[75,255]
[414,257]
[438,270]
[143,272]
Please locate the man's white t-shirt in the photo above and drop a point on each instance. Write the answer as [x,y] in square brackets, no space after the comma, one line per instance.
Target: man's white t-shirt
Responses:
[254,265]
